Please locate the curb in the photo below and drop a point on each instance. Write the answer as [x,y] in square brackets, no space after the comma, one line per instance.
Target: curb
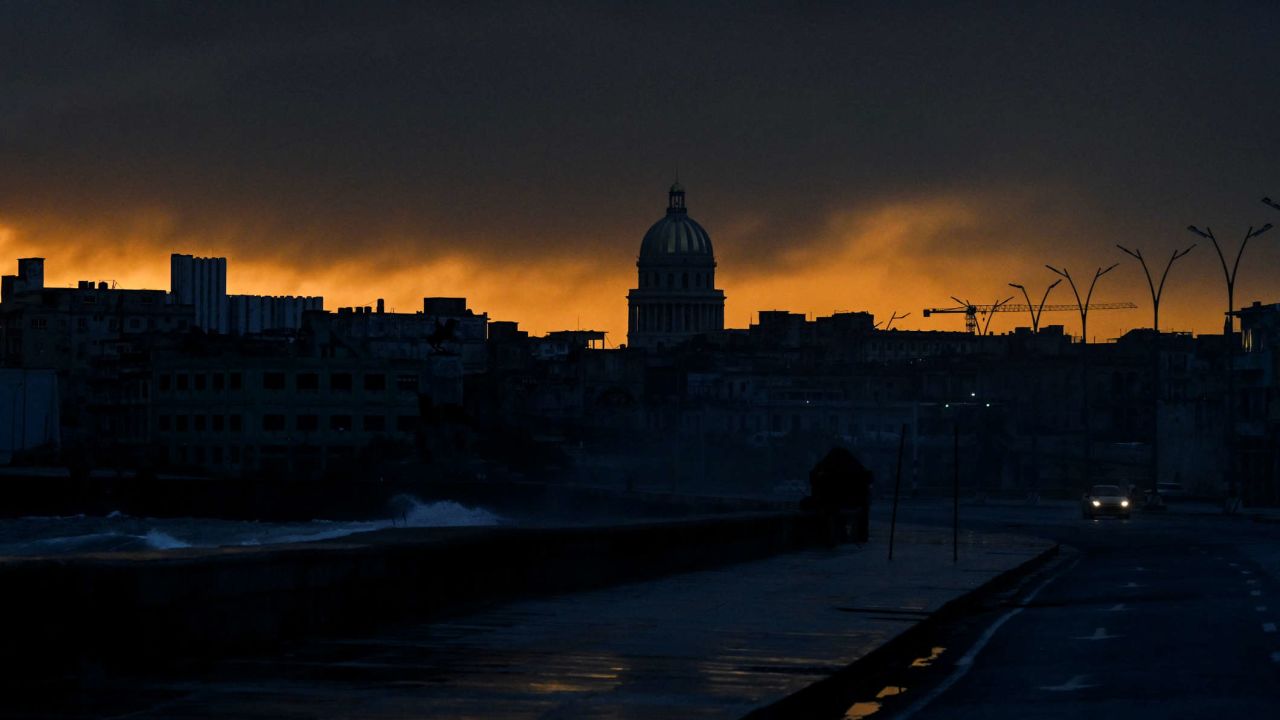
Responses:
[828,696]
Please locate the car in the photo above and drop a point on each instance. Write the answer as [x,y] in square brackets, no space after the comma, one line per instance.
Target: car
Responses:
[1105,500]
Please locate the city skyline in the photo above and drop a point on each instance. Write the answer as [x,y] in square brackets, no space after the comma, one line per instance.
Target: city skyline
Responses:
[878,158]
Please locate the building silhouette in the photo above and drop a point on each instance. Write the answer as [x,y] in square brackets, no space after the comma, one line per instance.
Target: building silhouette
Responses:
[202,283]
[676,296]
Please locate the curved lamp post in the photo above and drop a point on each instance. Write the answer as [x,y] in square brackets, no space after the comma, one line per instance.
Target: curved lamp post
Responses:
[1229,336]
[1036,310]
[1084,307]
[1084,358]
[1156,292]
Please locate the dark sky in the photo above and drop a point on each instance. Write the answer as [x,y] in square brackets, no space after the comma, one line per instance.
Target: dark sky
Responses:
[843,155]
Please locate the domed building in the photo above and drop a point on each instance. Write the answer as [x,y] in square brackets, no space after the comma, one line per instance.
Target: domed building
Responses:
[676,297]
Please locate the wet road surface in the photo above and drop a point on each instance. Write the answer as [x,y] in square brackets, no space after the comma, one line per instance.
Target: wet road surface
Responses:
[1161,616]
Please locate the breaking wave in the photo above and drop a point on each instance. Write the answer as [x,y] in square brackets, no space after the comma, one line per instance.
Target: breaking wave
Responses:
[123,533]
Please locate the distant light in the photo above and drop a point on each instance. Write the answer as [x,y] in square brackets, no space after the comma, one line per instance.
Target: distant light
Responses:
[988,404]
[973,394]
[947,405]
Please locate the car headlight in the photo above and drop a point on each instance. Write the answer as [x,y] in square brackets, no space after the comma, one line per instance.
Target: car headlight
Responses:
[1097,503]
[1124,503]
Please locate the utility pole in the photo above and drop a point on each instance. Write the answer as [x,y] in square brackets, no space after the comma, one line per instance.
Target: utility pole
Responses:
[1229,336]
[1036,310]
[1084,360]
[1156,292]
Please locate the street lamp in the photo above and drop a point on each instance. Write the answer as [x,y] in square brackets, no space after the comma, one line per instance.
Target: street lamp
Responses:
[1156,290]
[1084,359]
[1229,336]
[1156,293]
[1036,310]
[1230,275]
[1084,308]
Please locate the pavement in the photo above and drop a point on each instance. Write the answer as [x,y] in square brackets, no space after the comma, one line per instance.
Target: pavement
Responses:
[710,644]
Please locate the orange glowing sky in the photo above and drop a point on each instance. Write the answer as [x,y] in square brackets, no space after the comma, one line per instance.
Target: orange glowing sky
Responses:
[842,157]
[899,256]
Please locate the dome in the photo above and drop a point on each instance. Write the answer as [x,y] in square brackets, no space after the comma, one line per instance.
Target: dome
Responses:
[677,234]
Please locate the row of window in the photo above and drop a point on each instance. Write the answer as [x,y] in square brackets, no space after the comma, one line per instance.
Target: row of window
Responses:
[278,380]
[113,324]
[654,280]
[274,422]
[236,455]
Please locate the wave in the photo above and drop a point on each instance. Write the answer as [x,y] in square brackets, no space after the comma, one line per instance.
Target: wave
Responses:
[122,533]
[160,540]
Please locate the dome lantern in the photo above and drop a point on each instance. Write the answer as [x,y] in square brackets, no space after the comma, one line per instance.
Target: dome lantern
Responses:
[675,199]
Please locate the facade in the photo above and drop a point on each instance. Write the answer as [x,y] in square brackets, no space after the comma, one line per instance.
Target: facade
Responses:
[28,411]
[445,327]
[277,413]
[202,283]
[30,277]
[676,297]
[255,314]
[1257,371]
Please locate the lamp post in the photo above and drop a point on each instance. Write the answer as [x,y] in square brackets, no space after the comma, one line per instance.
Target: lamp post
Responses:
[1156,292]
[1084,307]
[1229,336]
[1087,470]
[1036,310]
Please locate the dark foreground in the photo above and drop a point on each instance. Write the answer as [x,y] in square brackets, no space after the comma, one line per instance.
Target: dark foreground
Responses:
[1161,616]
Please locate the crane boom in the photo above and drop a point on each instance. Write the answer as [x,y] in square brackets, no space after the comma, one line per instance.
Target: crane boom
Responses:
[971,311]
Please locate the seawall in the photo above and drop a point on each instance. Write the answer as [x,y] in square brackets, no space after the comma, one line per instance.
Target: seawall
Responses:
[72,618]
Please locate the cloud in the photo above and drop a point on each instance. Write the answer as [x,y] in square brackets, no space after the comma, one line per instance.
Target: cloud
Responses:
[870,157]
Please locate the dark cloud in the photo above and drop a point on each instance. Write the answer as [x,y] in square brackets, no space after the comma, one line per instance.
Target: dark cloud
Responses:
[505,132]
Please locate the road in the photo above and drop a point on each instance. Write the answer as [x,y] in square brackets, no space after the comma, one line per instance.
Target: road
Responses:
[1162,616]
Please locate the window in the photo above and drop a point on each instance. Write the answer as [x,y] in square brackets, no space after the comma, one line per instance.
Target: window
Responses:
[219,381]
[219,422]
[82,324]
[308,423]
[180,423]
[308,381]
[340,382]
[164,383]
[163,423]
[685,281]
[406,423]
[199,380]
[181,381]
[235,380]
[375,423]
[217,455]
[341,423]
[273,381]
[234,422]
[375,381]
[273,423]
[407,383]
[135,323]
[199,423]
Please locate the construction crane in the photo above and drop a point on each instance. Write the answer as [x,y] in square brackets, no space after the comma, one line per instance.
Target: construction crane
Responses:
[971,311]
